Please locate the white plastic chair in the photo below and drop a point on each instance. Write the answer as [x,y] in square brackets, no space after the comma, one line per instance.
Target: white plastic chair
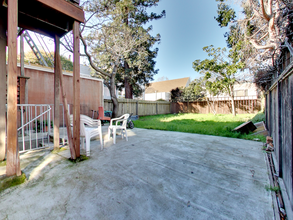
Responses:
[89,128]
[114,127]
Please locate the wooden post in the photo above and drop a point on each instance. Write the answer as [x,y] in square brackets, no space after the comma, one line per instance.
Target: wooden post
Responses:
[56,97]
[3,41]
[76,89]
[22,69]
[13,163]
[58,68]
[21,55]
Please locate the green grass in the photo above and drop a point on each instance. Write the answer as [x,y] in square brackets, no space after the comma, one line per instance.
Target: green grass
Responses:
[209,124]
[272,188]
[79,159]
[11,181]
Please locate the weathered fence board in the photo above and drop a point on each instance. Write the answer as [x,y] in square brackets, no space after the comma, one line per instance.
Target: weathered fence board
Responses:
[279,105]
[139,107]
[221,107]
[142,107]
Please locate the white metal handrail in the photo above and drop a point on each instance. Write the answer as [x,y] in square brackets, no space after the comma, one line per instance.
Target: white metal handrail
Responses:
[34,118]
[32,131]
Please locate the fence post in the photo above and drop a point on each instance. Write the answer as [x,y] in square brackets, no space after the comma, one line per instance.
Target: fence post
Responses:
[136,107]
[279,129]
[156,107]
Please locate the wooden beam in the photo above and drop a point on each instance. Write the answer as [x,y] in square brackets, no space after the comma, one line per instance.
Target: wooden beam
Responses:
[21,55]
[22,69]
[58,66]
[65,8]
[40,27]
[13,163]
[56,97]
[76,88]
[3,42]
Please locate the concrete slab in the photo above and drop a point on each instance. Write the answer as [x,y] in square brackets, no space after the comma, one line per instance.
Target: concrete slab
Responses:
[155,175]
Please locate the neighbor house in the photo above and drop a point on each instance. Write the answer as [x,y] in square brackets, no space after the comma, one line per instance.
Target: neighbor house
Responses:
[162,89]
[247,91]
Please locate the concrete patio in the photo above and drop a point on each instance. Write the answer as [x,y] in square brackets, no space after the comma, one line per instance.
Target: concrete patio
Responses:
[155,175]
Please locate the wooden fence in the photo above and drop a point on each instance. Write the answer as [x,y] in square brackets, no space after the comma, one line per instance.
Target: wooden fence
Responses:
[220,107]
[279,113]
[139,107]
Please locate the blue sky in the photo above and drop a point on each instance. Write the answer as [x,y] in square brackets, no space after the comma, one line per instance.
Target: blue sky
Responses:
[188,27]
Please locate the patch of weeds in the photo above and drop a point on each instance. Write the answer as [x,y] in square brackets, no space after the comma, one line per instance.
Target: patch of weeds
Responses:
[11,181]
[79,159]
[59,150]
[272,188]
[55,151]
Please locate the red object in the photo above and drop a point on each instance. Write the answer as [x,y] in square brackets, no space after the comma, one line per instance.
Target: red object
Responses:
[101,115]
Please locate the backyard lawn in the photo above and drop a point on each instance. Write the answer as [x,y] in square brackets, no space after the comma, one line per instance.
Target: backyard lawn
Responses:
[218,125]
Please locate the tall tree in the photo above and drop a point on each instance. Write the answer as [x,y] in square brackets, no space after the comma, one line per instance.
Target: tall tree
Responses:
[109,41]
[261,34]
[132,66]
[139,71]
[220,71]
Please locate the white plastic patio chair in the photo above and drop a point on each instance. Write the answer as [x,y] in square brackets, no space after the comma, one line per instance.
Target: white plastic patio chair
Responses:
[117,126]
[89,128]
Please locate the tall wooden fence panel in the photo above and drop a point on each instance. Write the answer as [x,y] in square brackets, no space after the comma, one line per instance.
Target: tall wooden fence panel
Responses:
[41,89]
[279,110]
[139,107]
[220,107]
[142,107]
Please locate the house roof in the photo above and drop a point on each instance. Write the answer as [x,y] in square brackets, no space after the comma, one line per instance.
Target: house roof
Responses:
[168,85]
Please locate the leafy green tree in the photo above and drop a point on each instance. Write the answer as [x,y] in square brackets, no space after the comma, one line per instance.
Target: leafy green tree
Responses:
[213,89]
[176,94]
[30,57]
[258,37]
[220,71]
[111,42]
[194,91]
[135,72]
[226,14]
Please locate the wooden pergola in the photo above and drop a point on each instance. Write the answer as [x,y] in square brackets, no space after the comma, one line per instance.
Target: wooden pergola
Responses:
[52,18]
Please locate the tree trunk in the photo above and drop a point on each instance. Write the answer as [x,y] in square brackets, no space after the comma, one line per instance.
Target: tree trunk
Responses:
[230,89]
[233,105]
[114,97]
[128,86]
